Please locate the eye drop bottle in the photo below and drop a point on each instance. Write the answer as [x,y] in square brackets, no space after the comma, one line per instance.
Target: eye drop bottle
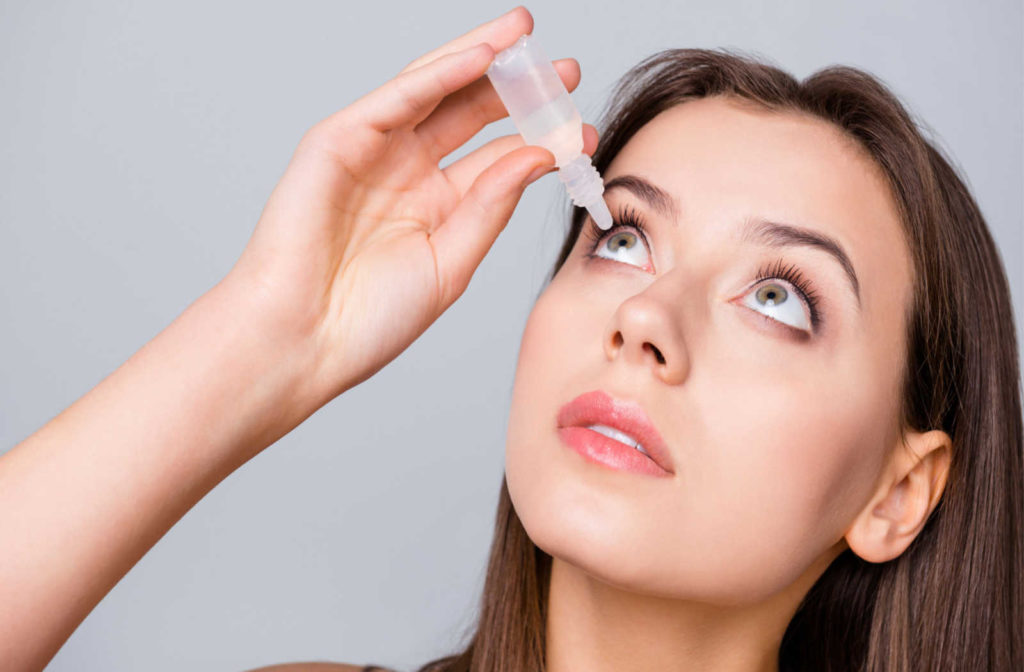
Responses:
[544,114]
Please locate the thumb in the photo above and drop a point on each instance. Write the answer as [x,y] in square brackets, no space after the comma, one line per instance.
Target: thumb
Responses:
[461,242]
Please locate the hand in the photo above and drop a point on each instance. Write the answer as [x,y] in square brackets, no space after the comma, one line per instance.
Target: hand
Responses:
[365,241]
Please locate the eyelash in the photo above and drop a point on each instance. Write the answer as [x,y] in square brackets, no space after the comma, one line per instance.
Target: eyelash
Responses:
[625,218]
[803,286]
[628,218]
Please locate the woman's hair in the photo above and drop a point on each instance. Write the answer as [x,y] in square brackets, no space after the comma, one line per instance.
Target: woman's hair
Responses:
[954,599]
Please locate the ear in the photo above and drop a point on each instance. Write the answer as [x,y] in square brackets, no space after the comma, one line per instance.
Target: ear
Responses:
[908,491]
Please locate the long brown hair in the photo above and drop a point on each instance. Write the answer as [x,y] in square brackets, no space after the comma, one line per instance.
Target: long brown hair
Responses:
[954,599]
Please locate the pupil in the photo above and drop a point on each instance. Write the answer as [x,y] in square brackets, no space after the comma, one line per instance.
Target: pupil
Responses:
[622,240]
[771,295]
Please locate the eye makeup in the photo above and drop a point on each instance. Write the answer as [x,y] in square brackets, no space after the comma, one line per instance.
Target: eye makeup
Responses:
[792,275]
[627,217]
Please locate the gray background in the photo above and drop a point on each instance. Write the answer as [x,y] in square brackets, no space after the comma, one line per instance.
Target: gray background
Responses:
[139,144]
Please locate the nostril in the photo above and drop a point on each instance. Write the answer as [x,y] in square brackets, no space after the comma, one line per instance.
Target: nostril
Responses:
[657,353]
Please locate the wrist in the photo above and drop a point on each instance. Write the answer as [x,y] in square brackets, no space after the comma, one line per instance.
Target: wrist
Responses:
[267,370]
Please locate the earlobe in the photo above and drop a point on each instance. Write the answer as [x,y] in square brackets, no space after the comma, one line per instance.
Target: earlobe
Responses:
[908,491]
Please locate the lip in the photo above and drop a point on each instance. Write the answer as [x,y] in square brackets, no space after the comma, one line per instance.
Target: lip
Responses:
[599,408]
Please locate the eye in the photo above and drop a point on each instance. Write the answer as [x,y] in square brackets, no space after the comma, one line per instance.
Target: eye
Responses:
[626,241]
[787,297]
[773,300]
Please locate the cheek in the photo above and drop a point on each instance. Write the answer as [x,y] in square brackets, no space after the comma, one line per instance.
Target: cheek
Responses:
[559,352]
[771,463]
[779,466]
[527,418]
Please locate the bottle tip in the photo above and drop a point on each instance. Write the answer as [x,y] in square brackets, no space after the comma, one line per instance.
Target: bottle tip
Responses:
[600,214]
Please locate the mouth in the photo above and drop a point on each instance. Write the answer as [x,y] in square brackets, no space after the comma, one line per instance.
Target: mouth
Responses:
[614,432]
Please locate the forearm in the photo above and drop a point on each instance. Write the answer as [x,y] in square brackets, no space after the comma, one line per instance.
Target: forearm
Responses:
[84,498]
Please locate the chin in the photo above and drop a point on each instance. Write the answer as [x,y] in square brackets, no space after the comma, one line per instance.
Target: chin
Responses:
[568,519]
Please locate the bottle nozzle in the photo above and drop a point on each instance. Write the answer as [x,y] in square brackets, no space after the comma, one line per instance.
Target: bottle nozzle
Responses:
[600,213]
[544,114]
[586,189]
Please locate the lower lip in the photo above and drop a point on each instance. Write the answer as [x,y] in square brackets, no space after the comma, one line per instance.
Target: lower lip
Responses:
[600,449]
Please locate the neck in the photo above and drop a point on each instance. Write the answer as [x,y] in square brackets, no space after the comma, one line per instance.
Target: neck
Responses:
[595,626]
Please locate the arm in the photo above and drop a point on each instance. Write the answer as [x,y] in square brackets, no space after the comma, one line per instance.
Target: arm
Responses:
[363,243]
[87,495]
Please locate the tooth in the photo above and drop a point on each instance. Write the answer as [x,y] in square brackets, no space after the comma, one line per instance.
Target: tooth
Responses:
[622,437]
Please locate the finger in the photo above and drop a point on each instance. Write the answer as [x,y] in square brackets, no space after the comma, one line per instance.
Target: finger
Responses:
[590,138]
[461,242]
[463,172]
[461,115]
[500,33]
[412,95]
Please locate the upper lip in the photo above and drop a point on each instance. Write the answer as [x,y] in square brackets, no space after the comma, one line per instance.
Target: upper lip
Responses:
[600,408]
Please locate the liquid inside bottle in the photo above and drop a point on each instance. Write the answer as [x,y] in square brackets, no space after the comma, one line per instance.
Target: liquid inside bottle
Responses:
[556,126]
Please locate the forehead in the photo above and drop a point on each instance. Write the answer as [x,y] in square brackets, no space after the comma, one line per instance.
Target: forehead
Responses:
[725,161]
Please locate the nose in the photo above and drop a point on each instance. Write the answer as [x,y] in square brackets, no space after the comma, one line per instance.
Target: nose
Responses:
[643,332]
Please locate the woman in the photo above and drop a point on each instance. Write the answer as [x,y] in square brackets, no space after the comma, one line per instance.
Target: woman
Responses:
[799,317]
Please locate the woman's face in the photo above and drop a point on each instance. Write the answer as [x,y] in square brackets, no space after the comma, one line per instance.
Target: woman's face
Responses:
[777,429]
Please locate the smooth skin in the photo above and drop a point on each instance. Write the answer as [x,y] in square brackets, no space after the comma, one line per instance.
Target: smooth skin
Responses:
[363,243]
[785,440]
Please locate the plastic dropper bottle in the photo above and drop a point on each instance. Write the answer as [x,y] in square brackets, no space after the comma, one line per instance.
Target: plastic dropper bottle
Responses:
[544,114]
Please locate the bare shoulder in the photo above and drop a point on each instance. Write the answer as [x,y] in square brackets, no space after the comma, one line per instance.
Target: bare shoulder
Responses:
[310,667]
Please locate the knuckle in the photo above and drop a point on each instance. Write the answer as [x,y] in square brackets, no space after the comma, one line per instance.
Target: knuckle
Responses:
[341,124]
[315,138]
[314,134]
[412,65]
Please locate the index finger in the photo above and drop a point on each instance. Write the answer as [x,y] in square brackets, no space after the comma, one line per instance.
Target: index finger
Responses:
[500,33]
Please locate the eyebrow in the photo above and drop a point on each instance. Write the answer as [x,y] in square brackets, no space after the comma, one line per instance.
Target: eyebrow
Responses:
[656,197]
[776,234]
[761,231]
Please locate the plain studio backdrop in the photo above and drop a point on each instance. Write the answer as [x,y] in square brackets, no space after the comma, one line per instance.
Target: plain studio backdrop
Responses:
[140,142]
